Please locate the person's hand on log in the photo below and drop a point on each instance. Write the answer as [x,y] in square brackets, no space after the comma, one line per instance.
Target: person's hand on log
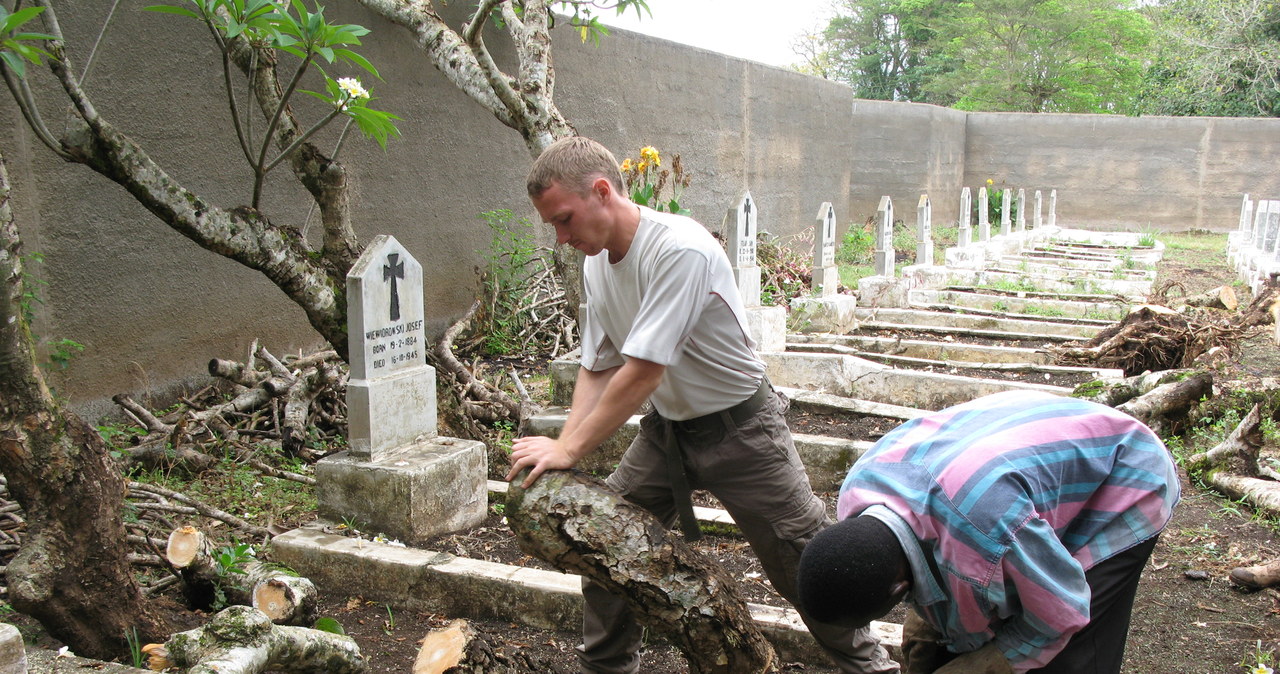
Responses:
[539,454]
[922,650]
[985,660]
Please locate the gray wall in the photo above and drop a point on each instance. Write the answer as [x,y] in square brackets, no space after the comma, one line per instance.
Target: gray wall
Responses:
[152,307]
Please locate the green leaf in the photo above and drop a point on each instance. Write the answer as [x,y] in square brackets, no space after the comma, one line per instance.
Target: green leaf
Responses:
[329,625]
[348,55]
[17,65]
[18,18]
[326,53]
[170,9]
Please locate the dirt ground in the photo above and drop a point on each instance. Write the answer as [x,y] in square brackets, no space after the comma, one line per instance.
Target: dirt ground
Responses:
[1188,618]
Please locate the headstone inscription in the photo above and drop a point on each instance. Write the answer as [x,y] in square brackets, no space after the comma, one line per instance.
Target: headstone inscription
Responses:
[965,237]
[740,230]
[924,223]
[391,393]
[1038,222]
[884,255]
[826,276]
[1022,210]
[984,217]
[1006,211]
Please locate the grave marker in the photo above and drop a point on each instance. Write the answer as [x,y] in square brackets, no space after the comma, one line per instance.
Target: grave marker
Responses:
[1006,208]
[826,276]
[1246,213]
[965,236]
[1053,208]
[984,216]
[1259,223]
[1273,228]
[390,378]
[884,255]
[924,221]
[1039,219]
[1022,210]
[740,230]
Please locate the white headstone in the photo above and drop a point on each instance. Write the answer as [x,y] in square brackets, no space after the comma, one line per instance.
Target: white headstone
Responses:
[1006,208]
[1053,208]
[924,223]
[1273,227]
[1039,219]
[1259,228]
[740,230]
[826,276]
[984,217]
[1246,213]
[391,393]
[965,236]
[884,255]
[1022,210]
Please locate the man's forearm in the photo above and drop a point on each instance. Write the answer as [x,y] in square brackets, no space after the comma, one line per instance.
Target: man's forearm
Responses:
[611,398]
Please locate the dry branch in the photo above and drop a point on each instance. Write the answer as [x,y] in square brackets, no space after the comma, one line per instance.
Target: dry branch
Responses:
[1113,393]
[1240,448]
[284,597]
[578,525]
[1162,405]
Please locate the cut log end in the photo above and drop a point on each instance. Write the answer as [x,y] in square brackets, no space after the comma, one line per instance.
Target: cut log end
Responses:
[444,649]
[186,545]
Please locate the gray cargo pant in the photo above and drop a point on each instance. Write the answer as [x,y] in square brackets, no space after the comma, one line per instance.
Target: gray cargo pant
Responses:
[757,475]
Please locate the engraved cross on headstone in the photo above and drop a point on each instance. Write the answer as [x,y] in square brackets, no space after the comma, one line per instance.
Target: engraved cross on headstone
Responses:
[392,270]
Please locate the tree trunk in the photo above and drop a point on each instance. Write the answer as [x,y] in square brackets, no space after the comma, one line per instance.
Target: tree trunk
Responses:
[72,573]
[1239,449]
[242,640]
[459,649]
[286,598]
[1113,393]
[1166,403]
[575,523]
[1222,297]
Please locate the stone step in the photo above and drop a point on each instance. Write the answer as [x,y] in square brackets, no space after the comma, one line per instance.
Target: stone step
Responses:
[951,362]
[439,582]
[920,348]
[918,317]
[1091,264]
[1071,270]
[1129,289]
[1045,306]
[945,330]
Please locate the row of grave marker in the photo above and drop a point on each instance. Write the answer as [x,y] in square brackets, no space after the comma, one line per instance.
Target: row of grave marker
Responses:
[1260,225]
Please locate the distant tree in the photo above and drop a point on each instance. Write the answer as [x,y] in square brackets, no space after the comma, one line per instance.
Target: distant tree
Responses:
[884,49]
[1043,55]
[1214,57]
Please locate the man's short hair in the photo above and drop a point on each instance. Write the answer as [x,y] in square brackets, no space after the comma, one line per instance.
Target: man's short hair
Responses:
[575,163]
[848,570]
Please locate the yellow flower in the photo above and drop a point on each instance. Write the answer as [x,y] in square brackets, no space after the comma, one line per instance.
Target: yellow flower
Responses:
[649,154]
[626,166]
[1262,669]
[990,182]
[642,166]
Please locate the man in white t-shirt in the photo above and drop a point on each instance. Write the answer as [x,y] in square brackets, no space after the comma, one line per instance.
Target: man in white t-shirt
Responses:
[665,323]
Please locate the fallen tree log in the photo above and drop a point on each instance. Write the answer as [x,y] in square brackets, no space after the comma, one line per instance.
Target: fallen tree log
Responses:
[285,597]
[242,640]
[577,524]
[1222,297]
[1161,407]
[458,648]
[1262,494]
[1114,392]
[1238,452]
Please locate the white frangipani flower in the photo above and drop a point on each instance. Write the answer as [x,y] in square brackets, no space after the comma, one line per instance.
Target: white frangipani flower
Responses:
[352,88]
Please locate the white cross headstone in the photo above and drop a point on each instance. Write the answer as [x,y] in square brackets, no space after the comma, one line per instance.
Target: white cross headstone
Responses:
[884,255]
[826,276]
[741,231]
[984,217]
[1053,208]
[1273,228]
[965,237]
[391,393]
[1246,213]
[1006,208]
[924,221]
[1022,210]
[1259,221]
[1039,219]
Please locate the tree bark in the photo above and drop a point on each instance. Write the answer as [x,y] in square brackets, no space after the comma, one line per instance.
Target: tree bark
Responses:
[1222,297]
[578,525]
[1240,448]
[72,573]
[1113,393]
[242,640]
[1165,403]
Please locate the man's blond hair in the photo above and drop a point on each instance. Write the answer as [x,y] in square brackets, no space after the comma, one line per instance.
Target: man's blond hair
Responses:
[575,163]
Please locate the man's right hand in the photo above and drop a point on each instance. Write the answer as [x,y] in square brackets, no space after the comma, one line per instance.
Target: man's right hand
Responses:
[539,454]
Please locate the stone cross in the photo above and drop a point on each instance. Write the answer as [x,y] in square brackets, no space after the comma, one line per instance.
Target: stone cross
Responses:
[984,217]
[1039,219]
[884,255]
[826,276]
[965,236]
[1022,210]
[391,393]
[924,221]
[1053,208]
[1006,208]
[740,230]
[1246,213]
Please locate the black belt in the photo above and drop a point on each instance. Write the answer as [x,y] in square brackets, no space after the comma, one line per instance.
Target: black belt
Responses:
[680,490]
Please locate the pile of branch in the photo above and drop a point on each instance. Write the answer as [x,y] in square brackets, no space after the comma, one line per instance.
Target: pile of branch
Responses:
[536,310]
[272,404]
[285,597]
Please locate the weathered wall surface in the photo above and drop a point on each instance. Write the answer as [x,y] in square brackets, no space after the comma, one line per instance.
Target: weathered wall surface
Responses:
[152,307]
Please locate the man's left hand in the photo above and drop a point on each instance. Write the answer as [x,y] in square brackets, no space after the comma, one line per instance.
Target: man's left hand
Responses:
[539,454]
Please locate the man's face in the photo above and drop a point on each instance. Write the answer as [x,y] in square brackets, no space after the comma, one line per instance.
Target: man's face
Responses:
[578,220]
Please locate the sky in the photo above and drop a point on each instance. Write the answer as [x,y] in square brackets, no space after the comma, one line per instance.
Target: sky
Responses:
[760,30]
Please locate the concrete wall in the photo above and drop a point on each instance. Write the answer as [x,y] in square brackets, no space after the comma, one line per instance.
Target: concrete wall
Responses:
[152,307]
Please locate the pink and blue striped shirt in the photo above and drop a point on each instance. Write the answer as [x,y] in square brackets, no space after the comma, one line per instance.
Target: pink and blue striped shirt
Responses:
[1003,503]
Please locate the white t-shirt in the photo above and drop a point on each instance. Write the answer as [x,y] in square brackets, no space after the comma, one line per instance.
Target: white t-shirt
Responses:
[672,300]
